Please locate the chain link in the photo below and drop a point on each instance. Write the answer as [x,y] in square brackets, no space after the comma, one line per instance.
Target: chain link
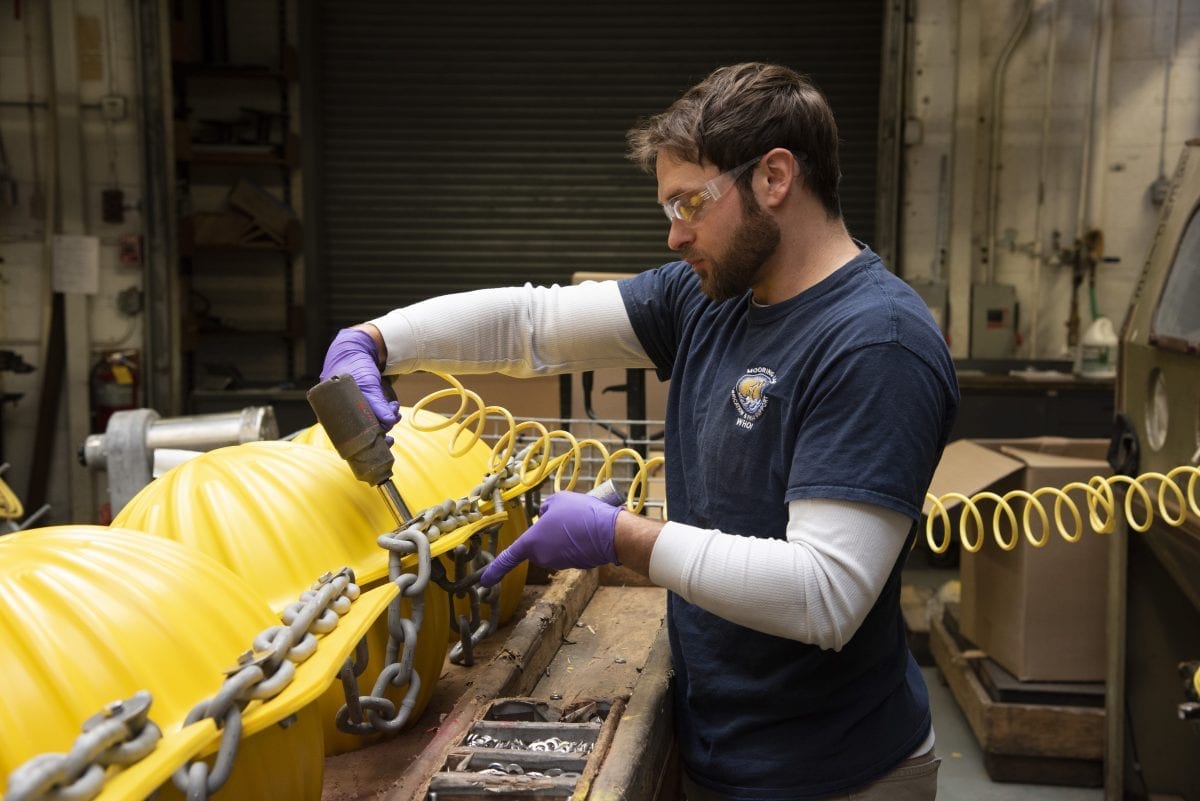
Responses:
[120,734]
[262,673]
[473,630]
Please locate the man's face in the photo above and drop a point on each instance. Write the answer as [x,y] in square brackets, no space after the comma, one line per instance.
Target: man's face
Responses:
[728,245]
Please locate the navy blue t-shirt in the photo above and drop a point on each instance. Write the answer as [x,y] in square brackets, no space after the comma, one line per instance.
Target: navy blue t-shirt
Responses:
[846,391]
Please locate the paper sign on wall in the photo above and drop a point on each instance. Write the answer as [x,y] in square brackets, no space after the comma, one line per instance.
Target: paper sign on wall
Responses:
[76,264]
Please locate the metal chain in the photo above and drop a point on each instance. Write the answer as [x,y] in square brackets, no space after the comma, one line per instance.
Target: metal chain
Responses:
[472,629]
[262,673]
[367,714]
[120,734]
[555,744]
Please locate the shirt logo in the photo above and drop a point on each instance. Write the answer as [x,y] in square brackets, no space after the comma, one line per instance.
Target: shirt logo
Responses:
[750,395]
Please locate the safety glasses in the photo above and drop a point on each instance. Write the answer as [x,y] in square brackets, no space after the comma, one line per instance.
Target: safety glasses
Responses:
[689,206]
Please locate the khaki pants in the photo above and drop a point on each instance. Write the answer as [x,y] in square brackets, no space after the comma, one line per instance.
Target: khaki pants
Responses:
[913,780]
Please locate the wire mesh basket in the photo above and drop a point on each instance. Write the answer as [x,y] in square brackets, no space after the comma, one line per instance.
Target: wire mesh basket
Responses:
[643,436]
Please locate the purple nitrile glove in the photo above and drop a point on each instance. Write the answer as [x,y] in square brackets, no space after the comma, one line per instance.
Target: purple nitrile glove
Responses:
[572,530]
[353,352]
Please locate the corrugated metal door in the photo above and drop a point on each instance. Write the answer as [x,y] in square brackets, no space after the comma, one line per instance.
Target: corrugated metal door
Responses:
[460,145]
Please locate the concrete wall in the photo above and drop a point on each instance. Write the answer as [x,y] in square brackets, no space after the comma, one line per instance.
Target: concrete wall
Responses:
[1077,62]
[1082,140]
[101,154]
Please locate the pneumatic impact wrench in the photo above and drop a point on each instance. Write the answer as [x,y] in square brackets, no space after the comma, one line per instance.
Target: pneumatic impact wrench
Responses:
[358,437]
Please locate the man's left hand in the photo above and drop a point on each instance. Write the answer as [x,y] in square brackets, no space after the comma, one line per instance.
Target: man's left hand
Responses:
[572,530]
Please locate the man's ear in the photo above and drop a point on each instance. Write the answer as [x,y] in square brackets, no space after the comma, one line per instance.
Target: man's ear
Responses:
[783,175]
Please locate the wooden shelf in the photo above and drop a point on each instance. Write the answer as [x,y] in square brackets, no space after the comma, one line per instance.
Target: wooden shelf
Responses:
[218,249]
[236,158]
[189,152]
[273,333]
[234,136]
[189,246]
[286,71]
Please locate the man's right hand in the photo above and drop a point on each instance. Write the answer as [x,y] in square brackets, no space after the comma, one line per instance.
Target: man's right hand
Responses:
[353,352]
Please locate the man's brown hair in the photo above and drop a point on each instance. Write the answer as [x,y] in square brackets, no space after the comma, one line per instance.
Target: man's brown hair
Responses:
[742,111]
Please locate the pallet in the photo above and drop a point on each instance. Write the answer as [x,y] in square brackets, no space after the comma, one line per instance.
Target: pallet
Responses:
[1028,741]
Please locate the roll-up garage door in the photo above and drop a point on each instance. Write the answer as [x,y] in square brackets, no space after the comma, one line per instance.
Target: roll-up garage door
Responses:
[459,145]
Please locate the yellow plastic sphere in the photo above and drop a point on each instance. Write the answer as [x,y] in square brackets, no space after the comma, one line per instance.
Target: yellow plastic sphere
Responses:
[90,615]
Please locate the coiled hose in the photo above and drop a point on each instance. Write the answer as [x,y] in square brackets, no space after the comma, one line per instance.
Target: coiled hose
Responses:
[1097,494]
[1013,517]
[535,448]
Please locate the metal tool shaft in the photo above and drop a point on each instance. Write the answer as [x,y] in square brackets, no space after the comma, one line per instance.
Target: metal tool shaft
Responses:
[392,496]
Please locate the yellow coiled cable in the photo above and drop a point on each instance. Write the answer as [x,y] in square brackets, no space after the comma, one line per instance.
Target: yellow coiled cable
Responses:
[536,460]
[10,504]
[1012,518]
[1098,494]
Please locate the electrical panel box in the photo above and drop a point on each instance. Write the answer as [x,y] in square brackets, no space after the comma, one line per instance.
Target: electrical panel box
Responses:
[993,321]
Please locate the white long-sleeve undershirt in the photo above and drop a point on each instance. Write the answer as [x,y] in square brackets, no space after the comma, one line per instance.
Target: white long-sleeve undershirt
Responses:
[816,586]
[521,331]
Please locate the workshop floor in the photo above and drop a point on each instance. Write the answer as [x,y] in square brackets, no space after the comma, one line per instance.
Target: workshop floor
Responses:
[962,776]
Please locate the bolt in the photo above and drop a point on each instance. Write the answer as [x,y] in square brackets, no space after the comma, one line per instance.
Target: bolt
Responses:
[555,696]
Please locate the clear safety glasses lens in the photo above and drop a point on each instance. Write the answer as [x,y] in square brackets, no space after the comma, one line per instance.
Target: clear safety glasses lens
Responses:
[688,206]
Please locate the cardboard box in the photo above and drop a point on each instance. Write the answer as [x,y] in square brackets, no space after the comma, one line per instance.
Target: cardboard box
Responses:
[1038,612]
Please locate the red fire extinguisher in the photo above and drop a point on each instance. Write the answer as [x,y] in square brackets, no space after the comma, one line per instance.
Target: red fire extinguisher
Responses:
[114,386]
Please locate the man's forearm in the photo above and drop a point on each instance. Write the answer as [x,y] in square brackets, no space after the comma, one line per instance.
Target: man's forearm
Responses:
[380,346]
[634,540]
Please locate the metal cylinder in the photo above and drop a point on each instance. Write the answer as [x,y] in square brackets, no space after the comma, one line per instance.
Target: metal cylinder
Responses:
[202,432]
[206,432]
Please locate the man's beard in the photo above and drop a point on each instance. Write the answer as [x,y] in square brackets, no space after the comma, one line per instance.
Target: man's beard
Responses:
[739,268]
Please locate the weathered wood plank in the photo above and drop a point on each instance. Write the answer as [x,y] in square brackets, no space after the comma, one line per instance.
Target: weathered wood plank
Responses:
[476,758]
[465,786]
[641,763]
[602,655]
[1043,770]
[536,730]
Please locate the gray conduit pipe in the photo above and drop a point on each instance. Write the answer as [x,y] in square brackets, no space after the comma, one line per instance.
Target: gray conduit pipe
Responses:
[994,143]
[1038,252]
